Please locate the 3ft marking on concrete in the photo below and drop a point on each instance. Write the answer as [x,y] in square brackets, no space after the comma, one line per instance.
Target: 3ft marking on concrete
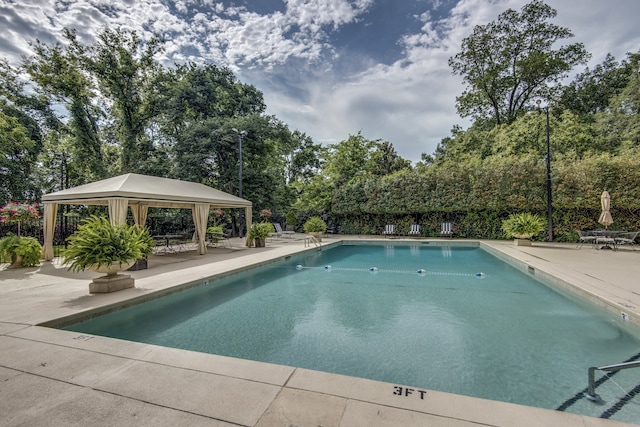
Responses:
[406,392]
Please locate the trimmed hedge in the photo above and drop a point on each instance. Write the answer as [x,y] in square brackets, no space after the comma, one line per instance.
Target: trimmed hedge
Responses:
[478,195]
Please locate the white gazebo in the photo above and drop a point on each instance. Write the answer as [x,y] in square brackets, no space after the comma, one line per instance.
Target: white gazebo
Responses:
[140,192]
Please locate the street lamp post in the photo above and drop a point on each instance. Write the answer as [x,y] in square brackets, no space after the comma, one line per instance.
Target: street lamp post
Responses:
[549,201]
[240,133]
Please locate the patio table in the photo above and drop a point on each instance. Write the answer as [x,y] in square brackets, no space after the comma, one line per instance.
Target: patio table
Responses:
[606,238]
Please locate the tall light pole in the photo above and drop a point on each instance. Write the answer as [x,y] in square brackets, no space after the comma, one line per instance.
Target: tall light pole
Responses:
[549,201]
[240,133]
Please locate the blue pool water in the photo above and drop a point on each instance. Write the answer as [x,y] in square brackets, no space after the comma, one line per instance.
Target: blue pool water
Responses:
[447,318]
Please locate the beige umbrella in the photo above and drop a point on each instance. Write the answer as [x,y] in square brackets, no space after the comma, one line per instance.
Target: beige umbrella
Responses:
[605,217]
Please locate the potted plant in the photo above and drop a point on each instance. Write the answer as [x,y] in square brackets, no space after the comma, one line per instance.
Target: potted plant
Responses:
[316,227]
[259,232]
[99,246]
[21,251]
[291,220]
[523,226]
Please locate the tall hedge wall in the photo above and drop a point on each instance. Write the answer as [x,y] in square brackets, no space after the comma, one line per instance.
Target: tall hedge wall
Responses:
[478,195]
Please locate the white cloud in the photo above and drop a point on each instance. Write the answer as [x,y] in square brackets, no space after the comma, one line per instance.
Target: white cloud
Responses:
[287,54]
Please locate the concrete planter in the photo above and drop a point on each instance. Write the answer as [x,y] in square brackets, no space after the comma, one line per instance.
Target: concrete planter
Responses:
[113,281]
[522,242]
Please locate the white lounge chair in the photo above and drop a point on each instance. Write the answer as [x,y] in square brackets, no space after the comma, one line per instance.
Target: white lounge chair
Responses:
[585,237]
[280,232]
[389,230]
[447,229]
[414,230]
[627,238]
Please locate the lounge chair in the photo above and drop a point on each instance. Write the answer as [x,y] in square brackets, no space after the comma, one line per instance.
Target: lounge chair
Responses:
[585,237]
[447,229]
[627,238]
[389,230]
[280,232]
[414,230]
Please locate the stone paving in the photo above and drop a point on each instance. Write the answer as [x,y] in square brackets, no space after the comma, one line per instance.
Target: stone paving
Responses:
[52,377]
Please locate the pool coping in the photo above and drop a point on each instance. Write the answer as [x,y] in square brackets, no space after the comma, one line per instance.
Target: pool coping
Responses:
[246,392]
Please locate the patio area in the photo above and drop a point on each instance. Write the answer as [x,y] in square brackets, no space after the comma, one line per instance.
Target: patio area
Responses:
[55,377]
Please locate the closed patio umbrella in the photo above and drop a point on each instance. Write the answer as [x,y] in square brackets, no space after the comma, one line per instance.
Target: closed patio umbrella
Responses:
[605,217]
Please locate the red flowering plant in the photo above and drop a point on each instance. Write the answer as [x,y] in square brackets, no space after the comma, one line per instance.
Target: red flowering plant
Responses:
[217,215]
[265,214]
[16,212]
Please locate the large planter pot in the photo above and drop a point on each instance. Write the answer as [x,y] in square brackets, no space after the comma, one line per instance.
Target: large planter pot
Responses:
[259,242]
[113,281]
[522,242]
[317,235]
[112,269]
[17,263]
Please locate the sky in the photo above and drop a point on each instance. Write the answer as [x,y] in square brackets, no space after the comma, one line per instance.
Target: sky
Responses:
[328,68]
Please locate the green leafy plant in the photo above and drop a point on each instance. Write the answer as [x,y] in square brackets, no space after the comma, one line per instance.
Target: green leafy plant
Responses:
[291,218]
[12,246]
[215,230]
[315,224]
[97,243]
[523,225]
[261,230]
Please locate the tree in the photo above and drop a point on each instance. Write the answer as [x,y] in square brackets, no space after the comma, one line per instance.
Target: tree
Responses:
[123,65]
[591,90]
[619,122]
[508,62]
[385,160]
[349,158]
[59,72]
[16,159]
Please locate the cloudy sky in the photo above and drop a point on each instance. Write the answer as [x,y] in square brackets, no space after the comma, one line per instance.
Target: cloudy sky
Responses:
[328,68]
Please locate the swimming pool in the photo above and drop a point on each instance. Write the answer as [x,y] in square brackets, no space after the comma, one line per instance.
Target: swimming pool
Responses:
[500,334]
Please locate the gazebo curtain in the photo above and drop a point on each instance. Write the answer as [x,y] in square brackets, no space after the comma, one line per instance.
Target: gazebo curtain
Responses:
[50,211]
[118,211]
[200,217]
[139,214]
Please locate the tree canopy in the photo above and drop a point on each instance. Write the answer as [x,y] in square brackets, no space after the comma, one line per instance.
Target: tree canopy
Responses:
[508,62]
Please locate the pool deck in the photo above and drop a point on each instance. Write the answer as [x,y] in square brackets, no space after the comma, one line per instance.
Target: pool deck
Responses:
[59,378]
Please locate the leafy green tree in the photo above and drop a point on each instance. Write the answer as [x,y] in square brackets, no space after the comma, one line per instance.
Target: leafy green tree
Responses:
[507,62]
[385,160]
[59,72]
[123,65]
[619,123]
[591,90]
[17,154]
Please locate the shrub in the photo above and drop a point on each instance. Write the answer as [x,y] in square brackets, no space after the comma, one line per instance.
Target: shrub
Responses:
[28,247]
[261,230]
[98,243]
[523,225]
[315,224]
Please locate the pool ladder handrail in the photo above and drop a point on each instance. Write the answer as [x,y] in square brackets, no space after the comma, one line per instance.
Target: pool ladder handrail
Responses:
[310,238]
[591,392]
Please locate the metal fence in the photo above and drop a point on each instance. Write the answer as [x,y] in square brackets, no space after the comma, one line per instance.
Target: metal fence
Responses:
[175,221]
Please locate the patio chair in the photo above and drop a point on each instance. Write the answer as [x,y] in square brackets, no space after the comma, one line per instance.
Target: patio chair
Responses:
[280,232]
[389,230]
[447,229]
[414,230]
[585,237]
[627,238]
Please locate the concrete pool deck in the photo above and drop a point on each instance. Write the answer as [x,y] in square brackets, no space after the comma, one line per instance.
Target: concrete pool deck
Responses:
[54,377]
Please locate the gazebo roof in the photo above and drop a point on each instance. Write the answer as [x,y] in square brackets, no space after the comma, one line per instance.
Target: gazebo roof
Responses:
[146,190]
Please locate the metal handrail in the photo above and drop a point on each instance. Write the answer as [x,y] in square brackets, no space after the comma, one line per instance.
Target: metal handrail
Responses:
[591,392]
